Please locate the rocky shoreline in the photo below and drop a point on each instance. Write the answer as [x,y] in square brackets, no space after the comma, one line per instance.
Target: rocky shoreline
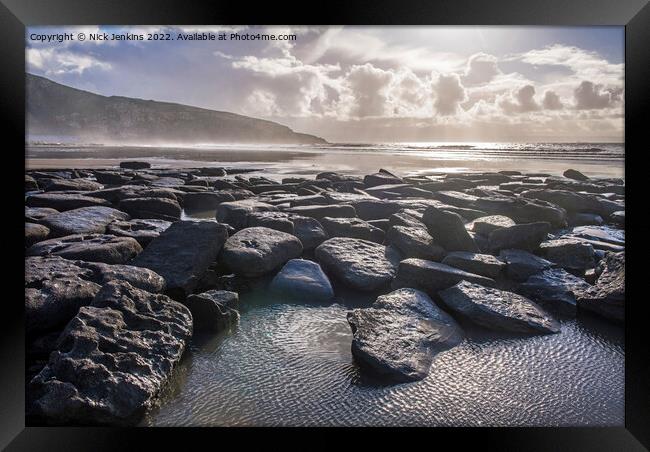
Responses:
[116,283]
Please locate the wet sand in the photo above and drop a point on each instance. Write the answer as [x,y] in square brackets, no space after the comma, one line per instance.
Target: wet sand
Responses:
[310,161]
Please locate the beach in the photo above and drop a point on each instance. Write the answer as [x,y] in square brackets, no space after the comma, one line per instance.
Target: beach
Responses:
[593,159]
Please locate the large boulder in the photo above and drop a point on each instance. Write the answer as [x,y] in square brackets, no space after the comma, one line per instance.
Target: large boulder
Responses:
[157,208]
[521,236]
[554,289]
[433,276]
[302,280]
[400,335]
[55,288]
[88,247]
[607,297]
[214,310]
[236,213]
[352,227]
[520,264]
[182,254]
[359,264]
[497,309]
[479,264]
[415,242]
[38,214]
[112,359]
[568,200]
[570,254]
[85,220]
[448,230]
[256,251]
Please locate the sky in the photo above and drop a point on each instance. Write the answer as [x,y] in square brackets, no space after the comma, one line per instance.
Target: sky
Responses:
[366,84]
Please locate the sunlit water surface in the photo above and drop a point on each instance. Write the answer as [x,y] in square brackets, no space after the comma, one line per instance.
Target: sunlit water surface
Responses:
[290,364]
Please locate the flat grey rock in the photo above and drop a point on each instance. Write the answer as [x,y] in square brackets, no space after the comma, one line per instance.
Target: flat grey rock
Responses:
[520,264]
[352,227]
[359,264]
[479,264]
[400,335]
[89,247]
[432,277]
[498,310]
[570,254]
[85,220]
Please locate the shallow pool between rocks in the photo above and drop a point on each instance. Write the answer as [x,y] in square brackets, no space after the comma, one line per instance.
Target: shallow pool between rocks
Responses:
[290,364]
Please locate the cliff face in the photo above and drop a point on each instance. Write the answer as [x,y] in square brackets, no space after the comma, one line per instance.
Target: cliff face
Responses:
[58,110]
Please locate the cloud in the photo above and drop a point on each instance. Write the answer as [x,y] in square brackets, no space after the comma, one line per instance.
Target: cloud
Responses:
[449,93]
[552,101]
[369,86]
[481,68]
[521,101]
[590,96]
[56,62]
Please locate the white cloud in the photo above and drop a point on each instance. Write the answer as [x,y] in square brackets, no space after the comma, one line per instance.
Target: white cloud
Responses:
[481,68]
[55,62]
[449,93]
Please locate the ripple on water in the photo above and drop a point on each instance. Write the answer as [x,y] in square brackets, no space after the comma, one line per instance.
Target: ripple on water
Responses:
[290,364]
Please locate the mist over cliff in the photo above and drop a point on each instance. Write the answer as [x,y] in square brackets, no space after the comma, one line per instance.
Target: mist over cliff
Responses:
[56,110]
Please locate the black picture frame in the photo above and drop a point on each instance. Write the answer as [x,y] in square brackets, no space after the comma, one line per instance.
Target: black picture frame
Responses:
[16,14]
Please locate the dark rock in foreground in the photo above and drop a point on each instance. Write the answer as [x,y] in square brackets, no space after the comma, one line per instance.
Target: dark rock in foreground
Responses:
[433,276]
[555,290]
[89,247]
[214,310]
[448,230]
[112,359]
[400,335]
[607,296]
[304,280]
[183,253]
[498,310]
[522,236]
[256,251]
[360,264]
[143,230]
[485,225]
